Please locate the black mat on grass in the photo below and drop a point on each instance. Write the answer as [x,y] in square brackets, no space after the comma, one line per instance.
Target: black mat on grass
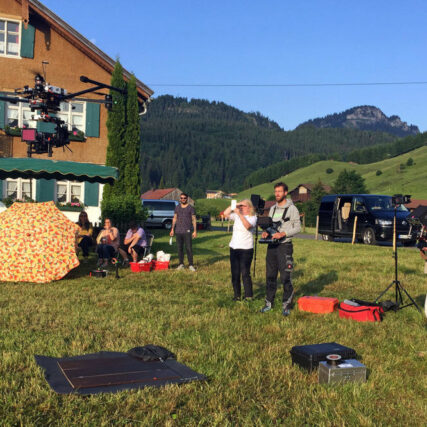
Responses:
[110,372]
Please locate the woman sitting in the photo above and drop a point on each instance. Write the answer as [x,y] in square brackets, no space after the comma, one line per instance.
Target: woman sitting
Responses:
[108,243]
[84,238]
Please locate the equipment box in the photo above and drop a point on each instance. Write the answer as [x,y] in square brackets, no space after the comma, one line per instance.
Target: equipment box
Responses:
[315,304]
[349,370]
[309,356]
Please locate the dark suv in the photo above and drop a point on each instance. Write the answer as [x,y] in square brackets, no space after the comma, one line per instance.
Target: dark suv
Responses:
[374,213]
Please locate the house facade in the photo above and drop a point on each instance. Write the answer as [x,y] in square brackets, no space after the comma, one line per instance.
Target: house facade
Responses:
[164,194]
[35,40]
[302,193]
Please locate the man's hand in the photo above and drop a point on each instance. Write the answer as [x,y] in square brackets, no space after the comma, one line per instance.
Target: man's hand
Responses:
[171,233]
[264,235]
[278,236]
[194,234]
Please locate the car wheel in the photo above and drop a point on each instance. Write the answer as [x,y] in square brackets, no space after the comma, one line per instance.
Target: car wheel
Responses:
[167,225]
[369,237]
[327,238]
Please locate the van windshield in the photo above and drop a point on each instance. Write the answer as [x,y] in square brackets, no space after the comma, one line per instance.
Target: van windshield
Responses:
[382,203]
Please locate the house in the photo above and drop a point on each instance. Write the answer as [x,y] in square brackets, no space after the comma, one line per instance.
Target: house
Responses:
[38,41]
[302,192]
[164,194]
[214,194]
[415,203]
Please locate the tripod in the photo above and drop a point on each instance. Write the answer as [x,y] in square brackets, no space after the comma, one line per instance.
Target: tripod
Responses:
[398,287]
[256,242]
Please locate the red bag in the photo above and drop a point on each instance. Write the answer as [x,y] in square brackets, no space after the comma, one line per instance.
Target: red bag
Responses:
[362,313]
[315,304]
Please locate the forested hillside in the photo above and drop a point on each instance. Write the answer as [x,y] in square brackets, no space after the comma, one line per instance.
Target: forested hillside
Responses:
[198,145]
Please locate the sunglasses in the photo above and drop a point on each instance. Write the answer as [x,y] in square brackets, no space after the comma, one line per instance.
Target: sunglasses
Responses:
[183,198]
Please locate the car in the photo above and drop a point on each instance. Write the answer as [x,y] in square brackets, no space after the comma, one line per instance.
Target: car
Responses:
[160,212]
[375,216]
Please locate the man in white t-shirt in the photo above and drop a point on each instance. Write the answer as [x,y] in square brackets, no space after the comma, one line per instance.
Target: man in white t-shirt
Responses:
[242,247]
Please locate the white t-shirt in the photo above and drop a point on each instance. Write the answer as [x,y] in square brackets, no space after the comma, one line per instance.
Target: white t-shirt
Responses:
[242,237]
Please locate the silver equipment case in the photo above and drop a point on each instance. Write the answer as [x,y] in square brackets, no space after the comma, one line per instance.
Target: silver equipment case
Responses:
[349,370]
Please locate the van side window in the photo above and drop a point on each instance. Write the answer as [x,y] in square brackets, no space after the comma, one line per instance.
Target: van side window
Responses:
[359,205]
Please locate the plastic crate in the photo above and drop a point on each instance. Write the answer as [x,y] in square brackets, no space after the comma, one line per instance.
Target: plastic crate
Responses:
[134,266]
[309,356]
[161,265]
[145,266]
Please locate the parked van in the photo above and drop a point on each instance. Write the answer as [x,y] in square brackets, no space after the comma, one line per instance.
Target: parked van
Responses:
[374,213]
[160,212]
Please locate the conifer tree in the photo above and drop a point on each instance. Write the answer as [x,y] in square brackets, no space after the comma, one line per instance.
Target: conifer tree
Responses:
[116,125]
[132,180]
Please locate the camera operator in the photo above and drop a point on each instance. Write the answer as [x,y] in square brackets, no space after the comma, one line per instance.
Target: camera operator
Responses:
[279,255]
[242,246]
[422,246]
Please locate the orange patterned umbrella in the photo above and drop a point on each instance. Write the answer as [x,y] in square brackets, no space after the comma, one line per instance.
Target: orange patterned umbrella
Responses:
[37,243]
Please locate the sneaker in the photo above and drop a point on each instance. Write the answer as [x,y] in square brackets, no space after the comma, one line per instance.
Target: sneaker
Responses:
[192,268]
[180,267]
[266,308]
[236,298]
[125,262]
[286,312]
[104,264]
[100,262]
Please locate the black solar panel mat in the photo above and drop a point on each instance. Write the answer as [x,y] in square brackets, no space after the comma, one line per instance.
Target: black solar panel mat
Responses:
[111,372]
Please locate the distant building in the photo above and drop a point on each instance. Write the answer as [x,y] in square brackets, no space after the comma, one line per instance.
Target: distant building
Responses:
[302,193]
[215,194]
[165,194]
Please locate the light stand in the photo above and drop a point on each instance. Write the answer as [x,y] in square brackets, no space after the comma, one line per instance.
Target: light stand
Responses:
[398,287]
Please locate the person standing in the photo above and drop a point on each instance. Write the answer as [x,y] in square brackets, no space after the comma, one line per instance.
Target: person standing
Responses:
[242,247]
[185,228]
[279,255]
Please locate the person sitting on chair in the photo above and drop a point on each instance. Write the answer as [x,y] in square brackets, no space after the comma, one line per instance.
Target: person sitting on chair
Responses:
[108,243]
[134,243]
[84,238]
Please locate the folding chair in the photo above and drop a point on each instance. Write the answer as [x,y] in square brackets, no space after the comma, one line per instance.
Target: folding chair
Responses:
[147,249]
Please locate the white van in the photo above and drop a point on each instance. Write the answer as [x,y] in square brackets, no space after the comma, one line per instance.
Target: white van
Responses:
[160,212]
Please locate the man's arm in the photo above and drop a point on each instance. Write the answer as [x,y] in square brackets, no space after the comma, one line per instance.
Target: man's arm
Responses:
[173,225]
[194,220]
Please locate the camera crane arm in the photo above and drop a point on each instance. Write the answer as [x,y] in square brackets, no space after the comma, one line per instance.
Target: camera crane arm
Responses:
[98,86]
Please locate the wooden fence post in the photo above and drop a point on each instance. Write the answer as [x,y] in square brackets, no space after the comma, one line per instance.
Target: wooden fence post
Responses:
[354,230]
[317,227]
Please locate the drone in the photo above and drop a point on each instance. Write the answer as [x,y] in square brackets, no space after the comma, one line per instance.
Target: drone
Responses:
[45,100]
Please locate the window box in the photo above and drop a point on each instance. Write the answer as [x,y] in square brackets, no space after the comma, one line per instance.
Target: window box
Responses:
[15,131]
[71,207]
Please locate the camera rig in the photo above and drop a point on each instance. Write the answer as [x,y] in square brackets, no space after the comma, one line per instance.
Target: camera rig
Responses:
[44,101]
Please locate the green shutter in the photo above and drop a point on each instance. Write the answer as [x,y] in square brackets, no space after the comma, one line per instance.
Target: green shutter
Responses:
[91,194]
[2,113]
[1,189]
[45,190]
[92,119]
[27,41]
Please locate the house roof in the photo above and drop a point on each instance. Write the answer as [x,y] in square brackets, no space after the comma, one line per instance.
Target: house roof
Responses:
[84,44]
[311,186]
[157,194]
[415,203]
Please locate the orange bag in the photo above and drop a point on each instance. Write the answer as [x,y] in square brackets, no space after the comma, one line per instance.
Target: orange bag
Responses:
[317,304]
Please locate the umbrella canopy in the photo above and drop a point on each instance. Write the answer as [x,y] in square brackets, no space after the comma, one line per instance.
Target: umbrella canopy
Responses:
[37,243]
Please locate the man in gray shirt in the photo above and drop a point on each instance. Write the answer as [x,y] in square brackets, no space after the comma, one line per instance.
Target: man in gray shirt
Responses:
[279,255]
[185,227]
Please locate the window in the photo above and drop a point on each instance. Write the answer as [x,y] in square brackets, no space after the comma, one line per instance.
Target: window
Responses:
[20,115]
[69,192]
[359,205]
[18,189]
[9,38]
[73,115]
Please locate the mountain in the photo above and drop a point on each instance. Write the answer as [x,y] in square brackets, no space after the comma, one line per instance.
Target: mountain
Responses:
[365,117]
[198,145]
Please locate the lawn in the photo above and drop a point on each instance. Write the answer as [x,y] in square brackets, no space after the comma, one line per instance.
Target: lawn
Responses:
[244,354]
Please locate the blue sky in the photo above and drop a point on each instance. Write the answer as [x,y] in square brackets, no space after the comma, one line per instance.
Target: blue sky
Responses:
[238,42]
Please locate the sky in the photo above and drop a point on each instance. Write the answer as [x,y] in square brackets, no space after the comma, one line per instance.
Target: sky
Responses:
[244,53]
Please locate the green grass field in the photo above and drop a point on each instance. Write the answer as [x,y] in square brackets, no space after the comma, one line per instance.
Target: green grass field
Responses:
[411,180]
[244,354]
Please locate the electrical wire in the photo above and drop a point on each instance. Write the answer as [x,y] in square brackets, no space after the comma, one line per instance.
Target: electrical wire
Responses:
[286,84]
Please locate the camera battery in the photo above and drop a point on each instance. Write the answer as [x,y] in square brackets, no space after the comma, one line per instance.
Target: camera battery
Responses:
[349,370]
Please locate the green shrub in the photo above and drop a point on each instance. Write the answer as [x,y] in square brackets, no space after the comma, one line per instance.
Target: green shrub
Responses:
[410,161]
[123,209]
[378,173]
[329,170]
